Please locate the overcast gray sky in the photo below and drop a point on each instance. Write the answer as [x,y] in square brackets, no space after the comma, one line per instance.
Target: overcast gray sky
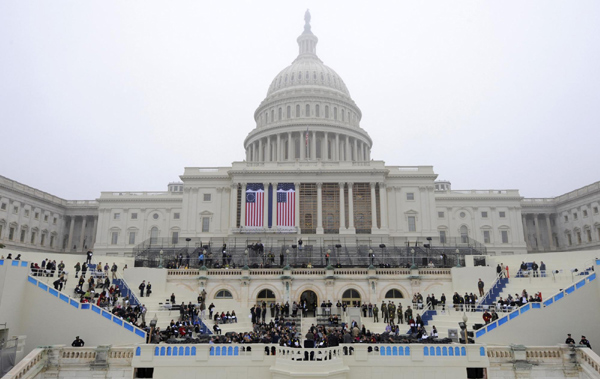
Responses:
[122,95]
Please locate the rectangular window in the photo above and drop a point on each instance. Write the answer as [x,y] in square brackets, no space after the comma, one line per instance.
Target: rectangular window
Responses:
[11,233]
[410,196]
[46,218]
[114,238]
[174,238]
[32,241]
[3,206]
[132,238]
[440,214]
[26,212]
[54,221]
[205,224]
[442,236]
[36,215]
[51,241]
[207,197]
[116,216]
[589,235]
[412,224]
[595,210]
[585,213]
[575,216]
[566,218]
[134,216]
[579,238]
[43,241]
[176,216]
[23,233]
[504,234]
[570,241]
[486,236]
[484,214]
[502,214]
[16,210]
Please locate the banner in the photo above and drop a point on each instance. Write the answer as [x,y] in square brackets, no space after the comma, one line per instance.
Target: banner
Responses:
[286,206]
[255,205]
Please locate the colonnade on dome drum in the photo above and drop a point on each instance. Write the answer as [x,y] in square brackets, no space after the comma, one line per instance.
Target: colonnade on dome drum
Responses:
[308,145]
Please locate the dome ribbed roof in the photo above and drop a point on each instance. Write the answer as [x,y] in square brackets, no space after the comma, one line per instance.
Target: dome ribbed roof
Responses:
[307,70]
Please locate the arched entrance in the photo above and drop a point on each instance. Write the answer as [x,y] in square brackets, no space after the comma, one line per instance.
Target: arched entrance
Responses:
[265,295]
[312,302]
[351,297]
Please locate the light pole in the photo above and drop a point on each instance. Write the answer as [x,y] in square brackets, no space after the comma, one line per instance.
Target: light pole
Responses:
[413,267]
[371,257]
[328,257]
[287,259]
[160,261]
[246,259]
[458,258]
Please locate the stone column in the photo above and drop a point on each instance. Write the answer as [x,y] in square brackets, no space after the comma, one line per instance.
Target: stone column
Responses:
[266,206]
[538,236]
[337,147]
[313,146]
[319,208]
[383,203]
[268,150]
[549,227]
[289,143]
[278,149]
[297,206]
[82,238]
[326,148]
[342,208]
[233,206]
[243,207]
[274,206]
[373,208]
[355,150]
[348,154]
[71,231]
[94,231]
[525,231]
[351,207]
[260,151]
[302,145]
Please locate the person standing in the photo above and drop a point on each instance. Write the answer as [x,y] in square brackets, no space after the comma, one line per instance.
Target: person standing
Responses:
[142,287]
[78,342]
[543,269]
[569,340]
[384,312]
[281,259]
[499,270]
[480,285]
[77,269]
[113,270]
[534,267]
[584,341]
[148,289]
[89,257]
[375,313]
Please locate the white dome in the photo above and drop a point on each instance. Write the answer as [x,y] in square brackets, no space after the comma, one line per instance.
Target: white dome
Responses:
[307,71]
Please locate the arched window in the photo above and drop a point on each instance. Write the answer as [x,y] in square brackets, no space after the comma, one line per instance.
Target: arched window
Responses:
[464,234]
[307,111]
[223,294]
[289,112]
[394,294]
[351,297]
[154,235]
[297,110]
[317,111]
[265,295]
[280,114]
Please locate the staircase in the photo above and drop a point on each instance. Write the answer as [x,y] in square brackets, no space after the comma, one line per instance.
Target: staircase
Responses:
[492,295]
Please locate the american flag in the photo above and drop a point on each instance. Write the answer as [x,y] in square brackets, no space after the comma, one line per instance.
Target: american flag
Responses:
[255,204]
[286,204]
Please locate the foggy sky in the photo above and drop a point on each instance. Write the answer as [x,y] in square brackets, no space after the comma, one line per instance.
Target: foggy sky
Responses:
[122,95]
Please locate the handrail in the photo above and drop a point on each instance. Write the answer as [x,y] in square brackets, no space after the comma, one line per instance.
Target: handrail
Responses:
[489,291]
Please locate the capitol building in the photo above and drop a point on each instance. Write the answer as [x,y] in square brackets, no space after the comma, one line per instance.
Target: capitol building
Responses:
[308,216]
[308,174]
